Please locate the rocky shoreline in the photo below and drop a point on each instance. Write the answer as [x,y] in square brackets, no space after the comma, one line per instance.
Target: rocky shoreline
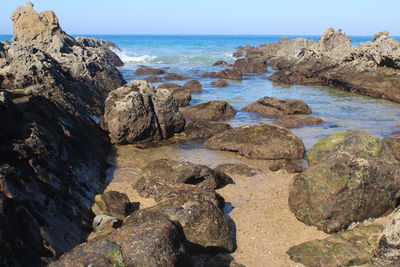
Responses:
[65,108]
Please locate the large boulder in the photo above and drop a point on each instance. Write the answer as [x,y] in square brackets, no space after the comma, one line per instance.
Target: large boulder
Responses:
[348,248]
[225,74]
[265,141]
[137,112]
[273,107]
[209,111]
[205,129]
[352,176]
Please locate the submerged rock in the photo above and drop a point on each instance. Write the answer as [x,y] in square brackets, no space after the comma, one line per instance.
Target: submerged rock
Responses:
[205,129]
[153,79]
[149,71]
[193,86]
[220,83]
[221,63]
[210,111]
[293,121]
[175,76]
[225,74]
[137,112]
[352,176]
[265,141]
[273,107]
[348,248]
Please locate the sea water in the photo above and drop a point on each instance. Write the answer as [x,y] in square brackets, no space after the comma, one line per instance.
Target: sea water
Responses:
[194,55]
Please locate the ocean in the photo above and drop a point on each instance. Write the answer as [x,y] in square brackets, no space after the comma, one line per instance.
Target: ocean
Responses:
[194,54]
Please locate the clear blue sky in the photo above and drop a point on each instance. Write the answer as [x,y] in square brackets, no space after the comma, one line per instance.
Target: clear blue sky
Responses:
[263,17]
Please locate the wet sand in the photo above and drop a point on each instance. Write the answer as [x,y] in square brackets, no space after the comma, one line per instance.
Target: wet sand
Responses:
[265,227]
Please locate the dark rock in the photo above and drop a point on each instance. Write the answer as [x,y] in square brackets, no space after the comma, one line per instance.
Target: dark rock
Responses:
[293,121]
[220,83]
[153,79]
[193,86]
[273,107]
[175,76]
[352,176]
[222,63]
[251,65]
[137,112]
[203,223]
[265,141]
[348,248]
[112,203]
[149,71]
[209,260]
[204,129]
[225,74]
[237,168]
[211,111]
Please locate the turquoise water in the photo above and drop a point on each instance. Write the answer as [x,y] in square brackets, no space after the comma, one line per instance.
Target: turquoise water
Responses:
[194,55]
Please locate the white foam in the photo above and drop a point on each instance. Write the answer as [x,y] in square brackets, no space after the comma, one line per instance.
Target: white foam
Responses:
[123,55]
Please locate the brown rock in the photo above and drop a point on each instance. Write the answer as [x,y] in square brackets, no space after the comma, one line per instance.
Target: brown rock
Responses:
[175,76]
[211,111]
[222,63]
[193,86]
[153,79]
[180,93]
[251,65]
[112,203]
[225,74]
[293,121]
[220,83]
[204,129]
[148,71]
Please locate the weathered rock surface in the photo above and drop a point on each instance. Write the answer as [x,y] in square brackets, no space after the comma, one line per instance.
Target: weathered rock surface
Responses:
[237,168]
[204,129]
[348,248]
[180,93]
[149,71]
[221,63]
[210,111]
[151,243]
[175,76]
[293,121]
[153,79]
[273,107]
[112,203]
[225,74]
[137,112]
[220,83]
[193,86]
[251,65]
[352,176]
[265,141]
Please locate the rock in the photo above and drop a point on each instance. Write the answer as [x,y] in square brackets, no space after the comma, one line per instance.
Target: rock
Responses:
[332,39]
[204,129]
[387,252]
[155,243]
[293,121]
[220,83]
[112,203]
[221,63]
[175,76]
[153,79]
[149,71]
[237,168]
[103,221]
[379,34]
[242,50]
[348,248]
[180,93]
[193,86]
[273,107]
[289,166]
[161,177]
[137,112]
[265,141]
[209,260]
[203,223]
[170,86]
[225,74]
[352,176]
[210,111]
[251,65]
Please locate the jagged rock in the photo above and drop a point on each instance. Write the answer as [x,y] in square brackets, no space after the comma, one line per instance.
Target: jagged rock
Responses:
[153,79]
[221,63]
[220,83]
[379,34]
[348,248]
[110,56]
[193,86]
[210,111]
[112,203]
[204,129]
[352,176]
[293,121]
[332,39]
[237,168]
[273,107]
[137,112]
[225,74]
[265,141]
[203,223]
[148,71]
[175,76]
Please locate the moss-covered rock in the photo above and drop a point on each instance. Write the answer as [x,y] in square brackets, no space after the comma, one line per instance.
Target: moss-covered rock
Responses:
[347,248]
[264,141]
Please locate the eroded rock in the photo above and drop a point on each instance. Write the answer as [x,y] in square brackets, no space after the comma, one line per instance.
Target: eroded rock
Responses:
[205,129]
[211,111]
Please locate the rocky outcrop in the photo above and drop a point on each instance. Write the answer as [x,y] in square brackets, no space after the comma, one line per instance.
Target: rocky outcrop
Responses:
[194,86]
[149,71]
[175,76]
[352,176]
[220,83]
[272,107]
[225,74]
[181,94]
[265,141]
[251,65]
[348,248]
[137,112]
[204,129]
[210,111]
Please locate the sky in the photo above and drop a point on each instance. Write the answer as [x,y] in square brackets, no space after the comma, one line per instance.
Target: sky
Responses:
[244,17]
